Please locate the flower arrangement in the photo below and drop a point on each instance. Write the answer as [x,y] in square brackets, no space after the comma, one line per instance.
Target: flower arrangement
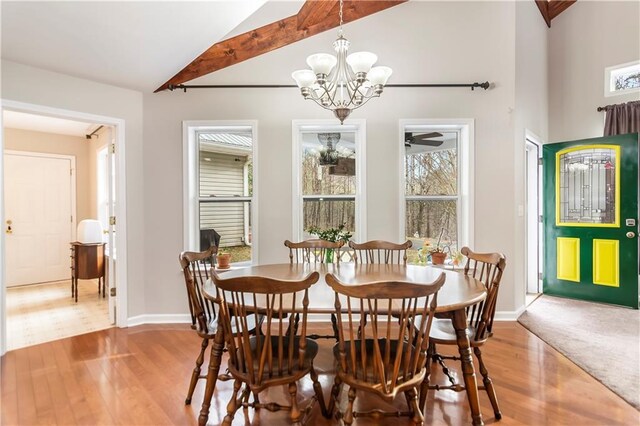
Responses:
[331,234]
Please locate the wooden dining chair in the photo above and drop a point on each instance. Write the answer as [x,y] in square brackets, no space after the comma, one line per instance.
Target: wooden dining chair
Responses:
[313,251]
[379,251]
[488,268]
[389,358]
[203,311]
[282,355]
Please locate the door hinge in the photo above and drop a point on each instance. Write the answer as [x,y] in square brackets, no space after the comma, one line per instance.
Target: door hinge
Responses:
[70,172]
[71,218]
[113,148]
[112,220]
[539,275]
[540,161]
[540,219]
[112,292]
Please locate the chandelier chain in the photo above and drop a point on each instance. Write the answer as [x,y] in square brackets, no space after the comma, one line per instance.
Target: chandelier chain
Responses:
[340,14]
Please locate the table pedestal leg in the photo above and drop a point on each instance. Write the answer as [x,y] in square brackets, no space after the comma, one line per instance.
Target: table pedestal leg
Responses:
[459,320]
[212,374]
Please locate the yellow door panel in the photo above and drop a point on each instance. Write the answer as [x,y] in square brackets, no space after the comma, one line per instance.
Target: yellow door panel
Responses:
[606,262]
[568,261]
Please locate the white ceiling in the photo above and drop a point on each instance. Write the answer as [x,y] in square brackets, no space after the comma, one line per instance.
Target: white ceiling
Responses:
[137,45]
[41,123]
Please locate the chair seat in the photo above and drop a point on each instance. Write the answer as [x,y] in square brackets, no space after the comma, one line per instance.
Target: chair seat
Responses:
[442,332]
[310,353]
[369,349]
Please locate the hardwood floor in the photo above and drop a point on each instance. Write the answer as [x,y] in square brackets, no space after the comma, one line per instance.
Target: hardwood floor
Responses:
[140,375]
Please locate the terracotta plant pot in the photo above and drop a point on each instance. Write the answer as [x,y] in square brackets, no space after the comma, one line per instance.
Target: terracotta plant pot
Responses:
[437,258]
[223,260]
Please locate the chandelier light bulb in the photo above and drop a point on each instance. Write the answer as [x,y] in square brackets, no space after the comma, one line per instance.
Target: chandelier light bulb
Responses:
[379,75]
[304,78]
[322,63]
[361,61]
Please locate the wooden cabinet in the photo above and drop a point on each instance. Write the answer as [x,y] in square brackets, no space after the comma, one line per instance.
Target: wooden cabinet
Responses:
[87,262]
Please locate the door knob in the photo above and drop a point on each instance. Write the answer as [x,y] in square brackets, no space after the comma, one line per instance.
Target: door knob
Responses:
[631,234]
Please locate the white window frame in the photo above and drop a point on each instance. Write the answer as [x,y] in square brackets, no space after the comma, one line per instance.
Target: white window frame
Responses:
[608,73]
[190,179]
[465,214]
[313,126]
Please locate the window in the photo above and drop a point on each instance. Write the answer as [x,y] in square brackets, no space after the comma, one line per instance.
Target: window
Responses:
[221,184]
[622,79]
[328,174]
[436,188]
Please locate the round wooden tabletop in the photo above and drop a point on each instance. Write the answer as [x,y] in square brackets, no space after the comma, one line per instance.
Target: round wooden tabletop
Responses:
[458,291]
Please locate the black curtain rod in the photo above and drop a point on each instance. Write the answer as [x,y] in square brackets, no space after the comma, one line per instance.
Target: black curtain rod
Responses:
[184,87]
[94,132]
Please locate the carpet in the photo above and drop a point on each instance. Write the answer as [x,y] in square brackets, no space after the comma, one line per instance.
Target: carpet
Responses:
[603,340]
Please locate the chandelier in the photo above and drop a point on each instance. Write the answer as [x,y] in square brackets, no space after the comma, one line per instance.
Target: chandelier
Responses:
[328,153]
[343,83]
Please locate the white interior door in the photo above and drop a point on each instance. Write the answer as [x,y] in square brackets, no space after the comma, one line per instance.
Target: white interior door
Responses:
[38,218]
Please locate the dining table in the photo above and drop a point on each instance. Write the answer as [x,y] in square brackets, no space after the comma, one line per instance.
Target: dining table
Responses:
[458,292]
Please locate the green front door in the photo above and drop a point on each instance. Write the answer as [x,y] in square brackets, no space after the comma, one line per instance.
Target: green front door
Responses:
[591,219]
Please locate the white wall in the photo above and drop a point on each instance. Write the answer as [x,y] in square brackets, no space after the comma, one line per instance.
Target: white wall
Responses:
[40,87]
[583,41]
[531,114]
[435,42]
[27,140]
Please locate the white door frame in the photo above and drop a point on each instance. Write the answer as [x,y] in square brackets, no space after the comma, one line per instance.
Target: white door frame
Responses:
[536,257]
[121,210]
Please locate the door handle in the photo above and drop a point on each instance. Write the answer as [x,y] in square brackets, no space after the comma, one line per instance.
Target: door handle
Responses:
[9,230]
[631,234]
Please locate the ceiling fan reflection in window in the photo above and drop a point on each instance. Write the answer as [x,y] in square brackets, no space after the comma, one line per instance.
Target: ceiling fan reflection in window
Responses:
[426,139]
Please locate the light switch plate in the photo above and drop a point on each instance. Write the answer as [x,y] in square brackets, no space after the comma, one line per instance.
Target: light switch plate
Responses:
[630,222]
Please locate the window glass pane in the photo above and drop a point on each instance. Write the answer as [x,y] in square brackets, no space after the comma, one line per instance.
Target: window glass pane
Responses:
[232,221]
[226,167]
[588,186]
[426,221]
[226,170]
[328,163]
[431,163]
[325,214]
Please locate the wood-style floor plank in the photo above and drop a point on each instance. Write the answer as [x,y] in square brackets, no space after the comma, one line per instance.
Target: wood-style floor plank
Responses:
[140,375]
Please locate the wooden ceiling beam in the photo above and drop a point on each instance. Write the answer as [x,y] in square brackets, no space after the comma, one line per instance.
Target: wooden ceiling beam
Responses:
[543,5]
[556,7]
[550,9]
[275,35]
[314,12]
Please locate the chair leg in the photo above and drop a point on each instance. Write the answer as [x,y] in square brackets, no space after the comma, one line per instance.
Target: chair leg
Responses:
[412,400]
[232,406]
[488,384]
[424,387]
[348,415]
[196,371]
[318,391]
[295,411]
[334,397]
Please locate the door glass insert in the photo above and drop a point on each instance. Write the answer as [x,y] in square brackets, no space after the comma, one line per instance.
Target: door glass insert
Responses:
[587,186]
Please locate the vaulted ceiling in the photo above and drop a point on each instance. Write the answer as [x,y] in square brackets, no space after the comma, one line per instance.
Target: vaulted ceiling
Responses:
[552,8]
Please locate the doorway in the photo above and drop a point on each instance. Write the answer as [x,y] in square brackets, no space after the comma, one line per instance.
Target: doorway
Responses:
[533,218]
[41,132]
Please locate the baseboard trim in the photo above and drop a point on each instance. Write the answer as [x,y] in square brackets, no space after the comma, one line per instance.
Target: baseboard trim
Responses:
[509,315]
[159,319]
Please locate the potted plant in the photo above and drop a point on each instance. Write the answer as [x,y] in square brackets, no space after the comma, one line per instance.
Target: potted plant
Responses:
[330,234]
[223,259]
[437,253]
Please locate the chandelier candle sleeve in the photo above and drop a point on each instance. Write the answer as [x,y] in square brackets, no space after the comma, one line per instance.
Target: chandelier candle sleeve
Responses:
[343,82]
